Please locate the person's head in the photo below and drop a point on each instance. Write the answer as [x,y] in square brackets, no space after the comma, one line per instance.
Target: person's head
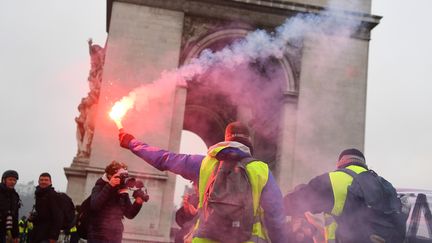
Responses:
[10,178]
[114,167]
[351,156]
[239,132]
[44,180]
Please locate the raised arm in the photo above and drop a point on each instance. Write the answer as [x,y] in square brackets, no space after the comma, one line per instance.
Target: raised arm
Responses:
[315,197]
[188,166]
[130,210]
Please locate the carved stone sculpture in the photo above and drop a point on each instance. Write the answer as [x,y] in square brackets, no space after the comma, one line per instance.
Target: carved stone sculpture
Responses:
[85,120]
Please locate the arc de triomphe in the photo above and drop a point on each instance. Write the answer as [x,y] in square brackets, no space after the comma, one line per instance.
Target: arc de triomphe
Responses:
[318,110]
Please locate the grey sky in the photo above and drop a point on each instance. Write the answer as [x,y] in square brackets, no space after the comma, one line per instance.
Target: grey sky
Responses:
[44,64]
[399,116]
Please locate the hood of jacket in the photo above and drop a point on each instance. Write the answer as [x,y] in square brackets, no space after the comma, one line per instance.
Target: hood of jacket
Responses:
[229,150]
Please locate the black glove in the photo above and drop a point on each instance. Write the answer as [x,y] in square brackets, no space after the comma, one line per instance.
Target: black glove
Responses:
[140,193]
[124,139]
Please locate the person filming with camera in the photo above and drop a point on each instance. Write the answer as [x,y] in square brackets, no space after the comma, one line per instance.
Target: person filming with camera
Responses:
[110,203]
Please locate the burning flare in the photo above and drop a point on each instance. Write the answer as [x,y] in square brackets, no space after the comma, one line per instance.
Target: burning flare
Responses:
[120,108]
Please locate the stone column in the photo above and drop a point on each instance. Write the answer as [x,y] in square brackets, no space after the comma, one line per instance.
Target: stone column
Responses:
[331,105]
[143,41]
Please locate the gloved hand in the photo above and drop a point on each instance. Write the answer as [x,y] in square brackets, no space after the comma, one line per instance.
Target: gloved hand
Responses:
[124,139]
[139,193]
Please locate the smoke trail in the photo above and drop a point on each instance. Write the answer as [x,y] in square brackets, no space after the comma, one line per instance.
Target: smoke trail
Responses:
[257,45]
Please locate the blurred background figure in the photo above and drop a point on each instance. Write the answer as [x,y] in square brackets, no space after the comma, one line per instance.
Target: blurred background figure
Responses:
[9,204]
[186,215]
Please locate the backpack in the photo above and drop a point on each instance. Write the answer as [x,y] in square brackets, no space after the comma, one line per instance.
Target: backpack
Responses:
[68,210]
[228,214]
[83,218]
[372,211]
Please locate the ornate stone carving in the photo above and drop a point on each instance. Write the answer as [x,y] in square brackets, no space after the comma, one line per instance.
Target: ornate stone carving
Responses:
[85,120]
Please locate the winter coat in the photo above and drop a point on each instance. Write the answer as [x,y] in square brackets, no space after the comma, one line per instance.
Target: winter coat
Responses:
[49,216]
[322,195]
[188,166]
[108,208]
[316,197]
[9,204]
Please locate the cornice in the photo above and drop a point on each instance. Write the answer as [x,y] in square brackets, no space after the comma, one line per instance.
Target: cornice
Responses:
[266,13]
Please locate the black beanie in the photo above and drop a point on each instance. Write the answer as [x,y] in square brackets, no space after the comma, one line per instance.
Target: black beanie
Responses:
[237,131]
[10,173]
[350,156]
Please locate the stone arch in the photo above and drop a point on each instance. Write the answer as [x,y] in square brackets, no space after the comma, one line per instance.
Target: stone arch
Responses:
[237,33]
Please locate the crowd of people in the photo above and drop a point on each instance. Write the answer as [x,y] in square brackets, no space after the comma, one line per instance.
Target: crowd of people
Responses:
[235,199]
[109,203]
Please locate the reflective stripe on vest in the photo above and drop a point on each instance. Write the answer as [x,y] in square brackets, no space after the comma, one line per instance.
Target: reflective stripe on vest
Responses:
[257,172]
[339,181]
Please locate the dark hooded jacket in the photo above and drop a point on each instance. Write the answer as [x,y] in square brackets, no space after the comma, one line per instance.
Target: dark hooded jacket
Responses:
[9,205]
[316,197]
[108,208]
[49,216]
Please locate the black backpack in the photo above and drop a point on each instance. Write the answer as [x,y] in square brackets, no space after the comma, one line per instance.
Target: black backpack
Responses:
[372,211]
[227,214]
[83,218]
[68,210]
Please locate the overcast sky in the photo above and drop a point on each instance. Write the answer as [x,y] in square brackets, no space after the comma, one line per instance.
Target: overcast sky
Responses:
[44,65]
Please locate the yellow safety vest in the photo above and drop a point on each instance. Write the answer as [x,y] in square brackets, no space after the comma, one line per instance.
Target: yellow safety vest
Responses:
[257,172]
[73,229]
[29,226]
[339,181]
[20,227]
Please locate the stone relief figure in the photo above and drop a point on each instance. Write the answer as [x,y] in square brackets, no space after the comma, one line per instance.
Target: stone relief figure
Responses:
[85,120]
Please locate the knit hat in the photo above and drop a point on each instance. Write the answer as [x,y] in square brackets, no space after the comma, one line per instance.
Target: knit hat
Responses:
[237,131]
[10,173]
[350,156]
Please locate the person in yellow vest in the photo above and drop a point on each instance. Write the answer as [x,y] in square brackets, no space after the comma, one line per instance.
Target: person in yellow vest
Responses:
[266,196]
[28,231]
[326,193]
[22,228]
[74,237]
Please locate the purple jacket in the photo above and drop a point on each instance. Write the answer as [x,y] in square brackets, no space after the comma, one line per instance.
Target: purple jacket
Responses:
[188,166]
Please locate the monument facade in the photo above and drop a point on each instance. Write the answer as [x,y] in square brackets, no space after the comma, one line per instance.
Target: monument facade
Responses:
[303,107]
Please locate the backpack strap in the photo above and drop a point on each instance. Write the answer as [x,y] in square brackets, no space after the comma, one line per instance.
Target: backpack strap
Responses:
[348,171]
[246,160]
[243,162]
